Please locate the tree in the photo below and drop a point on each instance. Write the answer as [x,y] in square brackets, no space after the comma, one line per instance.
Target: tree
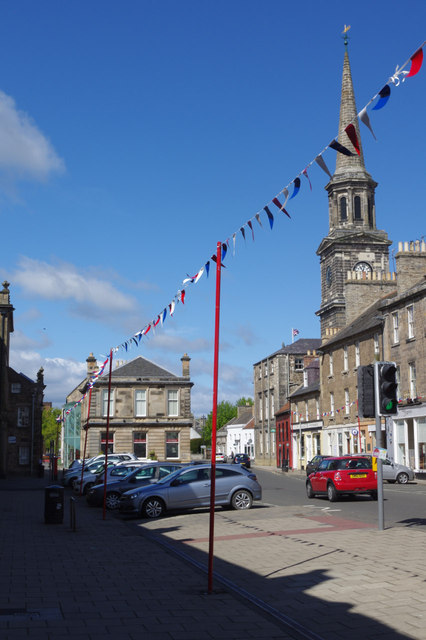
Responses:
[225,412]
[244,402]
[49,426]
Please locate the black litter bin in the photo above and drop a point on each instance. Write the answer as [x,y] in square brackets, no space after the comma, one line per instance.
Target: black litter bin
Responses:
[54,504]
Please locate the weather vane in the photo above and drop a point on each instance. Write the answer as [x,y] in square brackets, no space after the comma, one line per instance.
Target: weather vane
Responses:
[345,34]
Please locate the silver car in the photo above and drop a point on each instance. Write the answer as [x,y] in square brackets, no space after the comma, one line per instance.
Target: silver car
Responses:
[189,488]
[394,472]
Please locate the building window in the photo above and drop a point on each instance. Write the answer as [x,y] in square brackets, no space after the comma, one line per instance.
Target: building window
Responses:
[298,364]
[398,382]
[421,427]
[302,446]
[172,403]
[306,410]
[172,444]
[23,417]
[357,358]
[15,387]
[317,445]
[317,408]
[266,369]
[271,368]
[412,381]
[331,404]
[410,321]
[345,358]
[347,405]
[343,209]
[395,325]
[260,371]
[260,408]
[267,406]
[357,207]
[105,402]
[305,378]
[24,456]
[331,368]
[271,393]
[340,444]
[376,344]
[140,403]
[104,442]
[139,444]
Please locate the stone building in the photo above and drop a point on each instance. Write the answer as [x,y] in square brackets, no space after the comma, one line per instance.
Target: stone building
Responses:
[275,378]
[149,412]
[21,405]
[306,417]
[367,313]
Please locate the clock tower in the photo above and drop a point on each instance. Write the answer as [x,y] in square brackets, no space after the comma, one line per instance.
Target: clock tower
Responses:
[354,251]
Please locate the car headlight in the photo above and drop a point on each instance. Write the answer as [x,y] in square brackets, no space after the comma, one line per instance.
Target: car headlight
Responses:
[132,496]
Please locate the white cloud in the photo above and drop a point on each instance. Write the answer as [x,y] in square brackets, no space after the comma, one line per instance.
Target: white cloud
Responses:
[60,376]
[24,151]
[90,295]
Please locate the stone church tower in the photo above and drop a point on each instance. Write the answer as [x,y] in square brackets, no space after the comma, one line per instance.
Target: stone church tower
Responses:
[354,257]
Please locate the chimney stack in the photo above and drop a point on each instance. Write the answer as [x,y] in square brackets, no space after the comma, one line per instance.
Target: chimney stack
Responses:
[185,359]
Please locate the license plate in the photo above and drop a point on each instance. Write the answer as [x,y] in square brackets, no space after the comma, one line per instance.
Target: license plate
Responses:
[358,475]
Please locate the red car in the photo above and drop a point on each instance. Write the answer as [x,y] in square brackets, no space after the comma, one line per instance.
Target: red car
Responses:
[342,475]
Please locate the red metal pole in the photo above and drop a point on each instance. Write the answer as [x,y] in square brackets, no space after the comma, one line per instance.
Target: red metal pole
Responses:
[107,433]
[85,440]
[214,416]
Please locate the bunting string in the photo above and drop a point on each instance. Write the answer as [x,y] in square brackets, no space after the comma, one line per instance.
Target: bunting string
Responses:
[399,76]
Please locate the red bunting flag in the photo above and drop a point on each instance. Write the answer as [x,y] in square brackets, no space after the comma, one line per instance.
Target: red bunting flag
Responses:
[351,133]
[278,204]
[416,63]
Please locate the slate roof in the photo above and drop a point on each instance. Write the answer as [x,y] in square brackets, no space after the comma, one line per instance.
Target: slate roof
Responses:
[300,347]
[301,391]
[140,368]
[371,318]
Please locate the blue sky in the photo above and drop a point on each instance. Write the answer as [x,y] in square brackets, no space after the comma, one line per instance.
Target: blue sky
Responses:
[136,135]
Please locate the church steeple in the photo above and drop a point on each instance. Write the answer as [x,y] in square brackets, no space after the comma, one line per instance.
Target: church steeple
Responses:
[351,189]
[354,245]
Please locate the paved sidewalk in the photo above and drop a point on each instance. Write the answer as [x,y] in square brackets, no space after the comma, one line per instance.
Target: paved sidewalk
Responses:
[280,572]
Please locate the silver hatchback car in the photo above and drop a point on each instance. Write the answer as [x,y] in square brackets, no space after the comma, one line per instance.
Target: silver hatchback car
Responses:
[189,488]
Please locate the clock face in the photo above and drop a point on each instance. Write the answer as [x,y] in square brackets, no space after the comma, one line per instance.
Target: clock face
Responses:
[328,276]
[362,267]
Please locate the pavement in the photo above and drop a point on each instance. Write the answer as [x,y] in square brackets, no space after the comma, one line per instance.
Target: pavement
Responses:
[278,572]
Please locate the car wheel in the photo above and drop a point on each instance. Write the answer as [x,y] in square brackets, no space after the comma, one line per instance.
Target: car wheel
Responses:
[402,478]
[153,508]
[374,495]
[309,491]
[112,500]
[88,486]
[241,500]
[331,492]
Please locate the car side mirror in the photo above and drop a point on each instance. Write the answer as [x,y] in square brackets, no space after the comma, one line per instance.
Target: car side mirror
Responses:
[175,483]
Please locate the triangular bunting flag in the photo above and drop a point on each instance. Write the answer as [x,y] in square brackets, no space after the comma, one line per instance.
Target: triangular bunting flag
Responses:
[305,173]
[251,228]
[224,250]
[296,188]
[340,148]
[320,162]
[270,216]
[351,133]
[243,232]
[384,97]
[278,204]
[416,63]
[257,216]
[363,116]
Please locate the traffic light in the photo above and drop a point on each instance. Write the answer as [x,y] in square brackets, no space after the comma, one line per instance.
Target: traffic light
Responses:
[386,388]
[366,404]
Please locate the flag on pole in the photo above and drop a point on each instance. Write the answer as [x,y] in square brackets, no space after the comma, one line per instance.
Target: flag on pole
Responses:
[294,333]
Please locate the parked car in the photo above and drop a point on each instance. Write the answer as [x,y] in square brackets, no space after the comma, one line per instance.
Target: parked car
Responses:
[149,473]
[190,487]
[119,470]
[337,476]
[242,458]
[114,457]
[393,471]
[313,464]
[221,457]
[71,475]
[90,477]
